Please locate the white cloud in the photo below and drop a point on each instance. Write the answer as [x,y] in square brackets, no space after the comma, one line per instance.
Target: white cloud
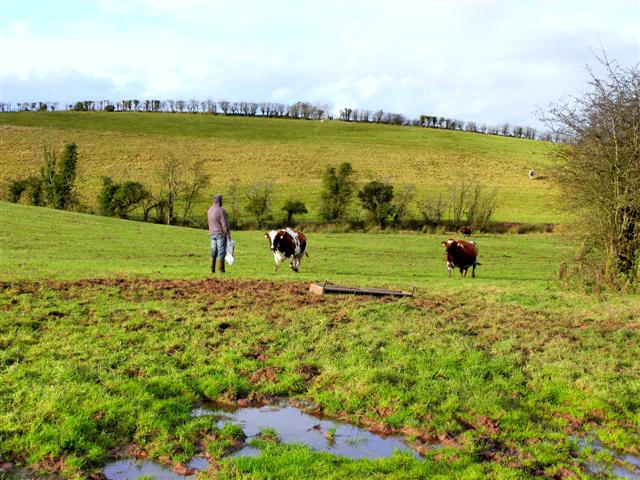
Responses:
[488,62]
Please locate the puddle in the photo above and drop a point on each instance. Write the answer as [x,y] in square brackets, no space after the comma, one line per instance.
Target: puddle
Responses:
[322,435]
[130,469]
[201,412]
[623,466]
[198,463]
[291,425]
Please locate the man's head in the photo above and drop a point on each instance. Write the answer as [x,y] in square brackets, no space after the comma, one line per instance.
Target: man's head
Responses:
[217,200]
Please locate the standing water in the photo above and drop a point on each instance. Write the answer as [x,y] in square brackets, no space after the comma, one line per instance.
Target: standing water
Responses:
[291,426]
[294,426]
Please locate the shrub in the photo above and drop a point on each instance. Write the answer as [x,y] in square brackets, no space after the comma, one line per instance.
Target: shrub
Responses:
[57,180]
[119,199]
[376,198]
[293,207]
[35,192]
[15,189]
[338,187]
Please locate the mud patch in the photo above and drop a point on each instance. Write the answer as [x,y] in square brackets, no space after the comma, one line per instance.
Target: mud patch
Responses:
[244,292]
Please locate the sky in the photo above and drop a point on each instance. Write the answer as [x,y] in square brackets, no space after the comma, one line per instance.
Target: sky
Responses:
[491,62]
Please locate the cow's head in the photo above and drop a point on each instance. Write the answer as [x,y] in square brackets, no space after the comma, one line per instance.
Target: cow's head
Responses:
[274,237]
[448,244]
[269,237]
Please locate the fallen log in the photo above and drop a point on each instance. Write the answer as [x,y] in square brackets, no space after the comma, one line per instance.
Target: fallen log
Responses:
[322,289]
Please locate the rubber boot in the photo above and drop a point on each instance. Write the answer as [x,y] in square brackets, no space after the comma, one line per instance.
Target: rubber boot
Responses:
[213,265]
[221,265]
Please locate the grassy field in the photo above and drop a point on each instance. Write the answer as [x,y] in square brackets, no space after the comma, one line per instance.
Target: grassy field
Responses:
[288,152]
[111,332]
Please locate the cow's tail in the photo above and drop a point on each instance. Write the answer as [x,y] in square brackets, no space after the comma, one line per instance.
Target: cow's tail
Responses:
[306,254]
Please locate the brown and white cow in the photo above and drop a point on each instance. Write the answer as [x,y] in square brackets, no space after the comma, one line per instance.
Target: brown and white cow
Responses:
[467,230]
[287,243]
[461,254]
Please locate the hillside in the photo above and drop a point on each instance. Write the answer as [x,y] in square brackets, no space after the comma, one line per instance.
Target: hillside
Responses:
[292,153]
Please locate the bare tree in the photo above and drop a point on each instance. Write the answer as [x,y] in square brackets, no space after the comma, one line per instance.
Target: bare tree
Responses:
[259,201]
[402,197]
[457,203]
[433,210]
[171,184]
[196,180]
[599,170]
[234,201]
[224,106]
[480,207]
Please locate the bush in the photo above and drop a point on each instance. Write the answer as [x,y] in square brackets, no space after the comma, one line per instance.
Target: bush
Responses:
[57,180]
[293,207]
[337,191]
[376,197]
[15,189]
[35,192]
[119,199]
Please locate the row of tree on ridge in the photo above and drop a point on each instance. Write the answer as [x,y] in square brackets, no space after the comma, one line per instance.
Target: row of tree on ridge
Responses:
[298,110]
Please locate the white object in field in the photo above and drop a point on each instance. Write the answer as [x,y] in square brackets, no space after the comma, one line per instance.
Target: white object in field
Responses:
[231,245]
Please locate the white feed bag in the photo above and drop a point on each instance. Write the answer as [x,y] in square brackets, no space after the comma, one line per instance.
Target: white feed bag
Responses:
[231,245]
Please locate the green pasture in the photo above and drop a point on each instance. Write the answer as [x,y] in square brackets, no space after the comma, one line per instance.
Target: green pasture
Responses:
[291,153]
[112,331]
[46,244]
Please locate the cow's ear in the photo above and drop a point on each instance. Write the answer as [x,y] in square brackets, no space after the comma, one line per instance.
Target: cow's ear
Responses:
[266,235]
[444,244]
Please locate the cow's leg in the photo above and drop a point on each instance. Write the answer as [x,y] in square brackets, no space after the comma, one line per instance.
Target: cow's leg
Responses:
[463,272]
[473,271]
[276,261]
[295,263]
[449,268]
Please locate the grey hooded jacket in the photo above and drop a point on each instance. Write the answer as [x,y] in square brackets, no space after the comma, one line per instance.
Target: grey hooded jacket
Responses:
[217,217]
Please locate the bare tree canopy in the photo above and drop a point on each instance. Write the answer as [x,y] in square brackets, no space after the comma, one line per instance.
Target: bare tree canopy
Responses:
[599,167]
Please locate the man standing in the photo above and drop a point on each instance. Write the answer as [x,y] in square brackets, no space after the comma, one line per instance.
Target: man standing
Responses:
[219,233]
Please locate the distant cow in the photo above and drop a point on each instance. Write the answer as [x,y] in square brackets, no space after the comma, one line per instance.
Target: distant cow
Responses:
[466,230]
[287,243]
[461,254]
[532,174]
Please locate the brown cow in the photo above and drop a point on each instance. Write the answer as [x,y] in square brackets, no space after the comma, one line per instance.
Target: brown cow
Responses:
[287,243]
[461,254]
[467,230]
